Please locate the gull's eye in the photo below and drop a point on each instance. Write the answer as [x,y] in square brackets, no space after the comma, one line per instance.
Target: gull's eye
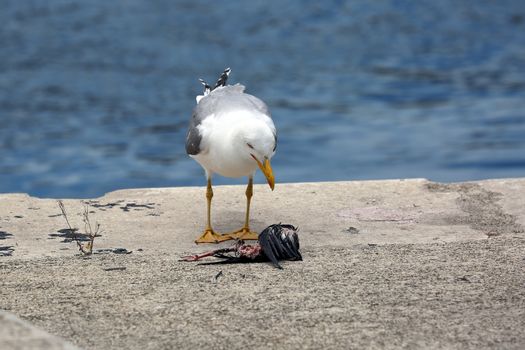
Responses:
[249,145]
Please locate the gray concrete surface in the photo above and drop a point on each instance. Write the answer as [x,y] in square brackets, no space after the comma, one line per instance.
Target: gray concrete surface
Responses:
[16,334]
[388,264]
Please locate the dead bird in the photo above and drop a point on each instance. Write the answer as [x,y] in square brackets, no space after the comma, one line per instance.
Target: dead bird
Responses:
[276,242]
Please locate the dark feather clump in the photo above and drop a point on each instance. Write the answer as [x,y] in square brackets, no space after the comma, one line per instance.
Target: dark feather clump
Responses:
[280,242]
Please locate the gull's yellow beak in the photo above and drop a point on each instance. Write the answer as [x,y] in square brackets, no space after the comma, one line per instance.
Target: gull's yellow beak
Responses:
[266,168]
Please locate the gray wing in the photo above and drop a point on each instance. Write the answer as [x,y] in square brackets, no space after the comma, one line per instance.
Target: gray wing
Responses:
[193,139]
[229,98]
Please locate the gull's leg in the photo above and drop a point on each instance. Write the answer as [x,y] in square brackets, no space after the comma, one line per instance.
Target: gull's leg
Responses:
[245,233]
[210,236]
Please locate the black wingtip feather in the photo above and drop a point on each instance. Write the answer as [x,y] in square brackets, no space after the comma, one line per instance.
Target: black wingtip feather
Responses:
[223,78]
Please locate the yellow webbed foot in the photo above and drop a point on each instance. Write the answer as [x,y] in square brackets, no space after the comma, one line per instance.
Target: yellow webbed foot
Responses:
[210,236]
[244,234]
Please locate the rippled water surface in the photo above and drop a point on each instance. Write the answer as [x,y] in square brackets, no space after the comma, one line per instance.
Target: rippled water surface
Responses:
[95,95]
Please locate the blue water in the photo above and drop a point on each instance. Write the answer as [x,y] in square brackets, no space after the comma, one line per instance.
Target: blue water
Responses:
[95,95]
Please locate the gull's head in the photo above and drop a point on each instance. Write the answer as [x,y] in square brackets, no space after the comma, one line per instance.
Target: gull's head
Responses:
[259,144]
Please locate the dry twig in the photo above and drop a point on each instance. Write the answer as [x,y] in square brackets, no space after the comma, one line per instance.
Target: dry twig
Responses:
[87,248]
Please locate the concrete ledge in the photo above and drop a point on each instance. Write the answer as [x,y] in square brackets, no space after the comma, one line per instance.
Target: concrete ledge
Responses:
[388,264]
[342,213]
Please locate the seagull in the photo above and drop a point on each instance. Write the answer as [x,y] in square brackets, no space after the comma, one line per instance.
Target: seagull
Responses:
[231,133]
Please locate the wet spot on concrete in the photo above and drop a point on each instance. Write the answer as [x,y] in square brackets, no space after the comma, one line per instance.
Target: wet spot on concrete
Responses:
[5,235]
[480,207]
[122,205]
[351,230]
[112,250]
[6,250]
[96,204]
[136,206]
[70,235]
